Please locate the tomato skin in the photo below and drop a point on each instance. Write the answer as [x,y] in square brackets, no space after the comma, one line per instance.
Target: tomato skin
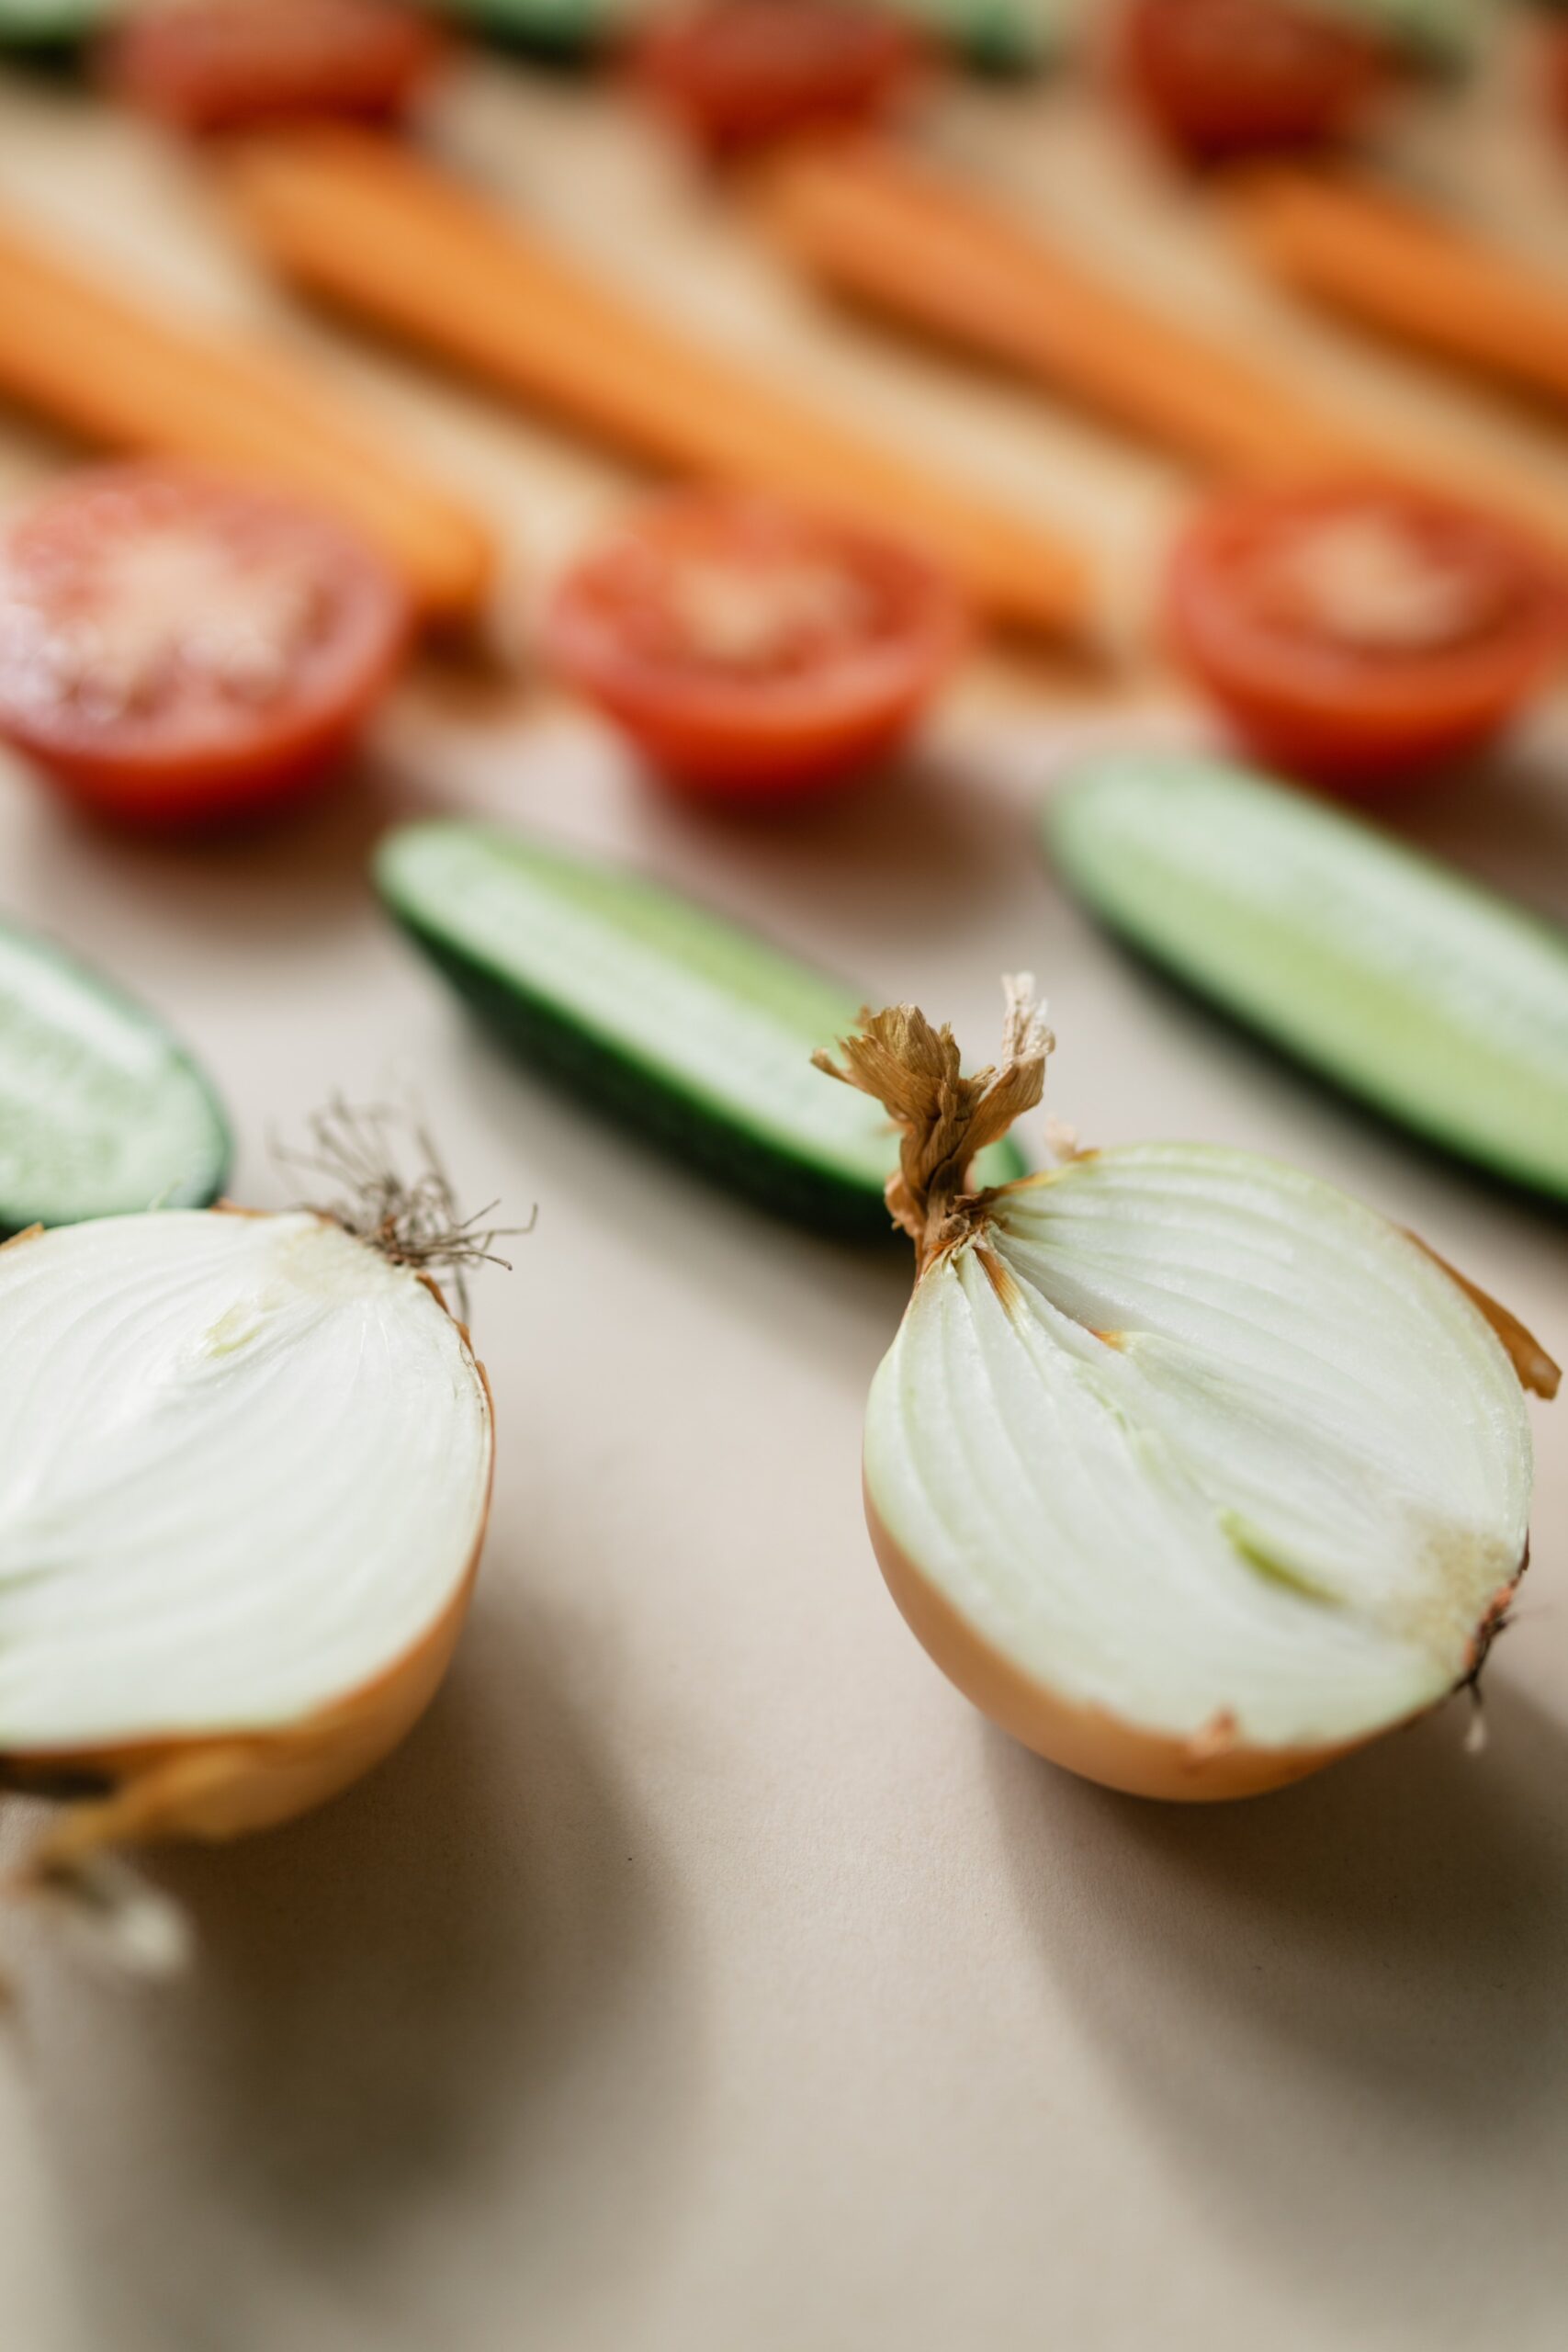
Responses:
[1361,716]
[742,74]
[781,726]
[218,66]
[1231,78]
[171,746]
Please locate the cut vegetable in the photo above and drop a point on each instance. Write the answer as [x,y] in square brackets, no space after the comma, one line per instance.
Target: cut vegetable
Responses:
[1229,77]
[1442,1006]
[213,65]
[915,244]
[370,227]
[695,1032]
[1364,632]
[177,647]
[755,652]
[560,28]
[44,25]
[1188,1469]
[102,1112]
[1000,36]
[242,1499]
[1391,263]
[122,378]
[738,75]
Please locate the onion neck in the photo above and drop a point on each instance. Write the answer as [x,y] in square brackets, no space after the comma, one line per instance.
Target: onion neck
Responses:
[945,1119]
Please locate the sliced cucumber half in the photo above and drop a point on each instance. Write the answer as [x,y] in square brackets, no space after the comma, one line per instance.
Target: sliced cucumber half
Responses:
[696,1032]
[559,28]
[47,24]
[999,37]
[1441,1005]
[102,1111]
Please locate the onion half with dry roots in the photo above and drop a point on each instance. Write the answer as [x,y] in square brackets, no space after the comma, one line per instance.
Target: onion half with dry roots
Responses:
[244,1487]
[1190,1471]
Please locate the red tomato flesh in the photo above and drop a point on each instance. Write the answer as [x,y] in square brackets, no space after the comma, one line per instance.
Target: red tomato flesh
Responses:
[1226,77]
[211,65]
[738,74]
[1365,634]
[177,647]
[753,652]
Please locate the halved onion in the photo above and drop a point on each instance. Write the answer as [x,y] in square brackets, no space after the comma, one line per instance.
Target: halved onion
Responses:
[243,1489]
[1188,1469]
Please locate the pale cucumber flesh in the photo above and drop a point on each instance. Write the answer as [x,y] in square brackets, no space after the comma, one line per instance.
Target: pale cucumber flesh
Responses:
[102,1111]
[694,1031]
[1441,1005]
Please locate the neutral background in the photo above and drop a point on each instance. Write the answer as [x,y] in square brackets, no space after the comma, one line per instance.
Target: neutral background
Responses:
[703,1973]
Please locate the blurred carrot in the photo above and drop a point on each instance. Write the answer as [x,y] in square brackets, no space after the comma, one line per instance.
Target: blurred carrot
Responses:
[1383,258]
[910,241]
[369,226]
[121,376]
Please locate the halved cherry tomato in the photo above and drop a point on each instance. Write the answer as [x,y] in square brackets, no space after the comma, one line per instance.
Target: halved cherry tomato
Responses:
[740,72]
[1224,77]
[752,651]
[1364,634]
[209,66]
[177,647]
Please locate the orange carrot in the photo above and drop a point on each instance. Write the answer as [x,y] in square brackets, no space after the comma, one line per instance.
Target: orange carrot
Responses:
[1390,263]
[896,235]
[118,375]
[371,228]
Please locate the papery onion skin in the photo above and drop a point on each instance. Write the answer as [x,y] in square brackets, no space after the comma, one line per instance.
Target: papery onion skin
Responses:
[212,1787]
[1090,1741]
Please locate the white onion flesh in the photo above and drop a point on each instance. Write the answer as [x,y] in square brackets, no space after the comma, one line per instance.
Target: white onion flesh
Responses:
[245,1469]
[1216,1443]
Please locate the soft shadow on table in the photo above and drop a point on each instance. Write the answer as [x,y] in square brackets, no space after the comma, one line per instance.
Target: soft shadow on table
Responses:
[1300,1992]
[933,842]
[1505,822]
[813,1295]
[294,876]
[928,842]
[398,2007]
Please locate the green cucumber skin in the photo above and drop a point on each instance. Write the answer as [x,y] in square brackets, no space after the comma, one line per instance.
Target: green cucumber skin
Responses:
[596,1073]
[199,1185]
[590,1065]
[1339,954]
[50,34]
[560,32]
[1005,40]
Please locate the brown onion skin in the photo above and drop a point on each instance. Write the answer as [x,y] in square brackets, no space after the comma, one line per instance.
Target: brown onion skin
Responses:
[1089,1741]
[213,1786]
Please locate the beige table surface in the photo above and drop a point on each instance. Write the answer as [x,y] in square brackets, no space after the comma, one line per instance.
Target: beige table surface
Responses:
[704,1975]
